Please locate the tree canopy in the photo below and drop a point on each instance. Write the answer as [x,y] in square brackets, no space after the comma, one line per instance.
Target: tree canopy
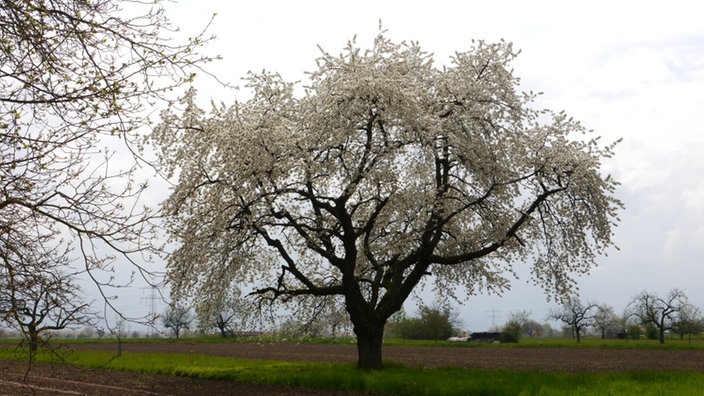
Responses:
[576,314]
[381,172]
[177,318]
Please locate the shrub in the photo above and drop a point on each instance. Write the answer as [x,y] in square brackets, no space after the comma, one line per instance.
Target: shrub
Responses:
[512,332]
[634,332]
[433,324]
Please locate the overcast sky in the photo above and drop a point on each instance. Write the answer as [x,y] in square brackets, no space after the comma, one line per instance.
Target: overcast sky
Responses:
[627,69]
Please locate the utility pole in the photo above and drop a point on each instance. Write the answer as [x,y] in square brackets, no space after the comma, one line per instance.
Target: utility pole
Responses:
[152,305]
[493,316]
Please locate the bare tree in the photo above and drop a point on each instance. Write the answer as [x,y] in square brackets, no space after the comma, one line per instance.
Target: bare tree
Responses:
[223,321]
[119,331]
[629,327]
[177,318]
[606,320]
[531,328]
[77,77]
[520,316]
[689,321]
[575,314]
[384,174]
[36,294]
[220,310]
[661,313]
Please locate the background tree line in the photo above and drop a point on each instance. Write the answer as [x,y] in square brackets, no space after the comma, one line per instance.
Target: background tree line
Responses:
[646,314]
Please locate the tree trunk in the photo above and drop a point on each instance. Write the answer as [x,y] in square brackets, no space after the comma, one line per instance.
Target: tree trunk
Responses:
[33,340]
[578,335]
[662,335]
[119,347]
[369,340]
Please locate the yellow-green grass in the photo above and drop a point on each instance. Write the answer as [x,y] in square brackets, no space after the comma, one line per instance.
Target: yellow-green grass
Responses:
[394,380]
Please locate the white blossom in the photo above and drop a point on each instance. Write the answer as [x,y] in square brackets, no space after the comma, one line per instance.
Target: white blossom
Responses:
[386,171]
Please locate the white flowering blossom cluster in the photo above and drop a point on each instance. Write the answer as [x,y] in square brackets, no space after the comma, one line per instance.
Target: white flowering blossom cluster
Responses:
[385,172]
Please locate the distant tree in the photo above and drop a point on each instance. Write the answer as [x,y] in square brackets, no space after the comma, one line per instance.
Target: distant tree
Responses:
[119,331]
[220,320]
[220,310]
[177,318]
[623,323]
[606,321]
[689,321]
[661,313]
[223,321]
[548,330]
[520,316]
[220,317]
[385,173]
[515,326]
[575,314]
[36,294]
[532,328]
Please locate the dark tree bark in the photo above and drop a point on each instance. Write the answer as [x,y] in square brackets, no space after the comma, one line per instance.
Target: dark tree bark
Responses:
[369,341]
[33,338]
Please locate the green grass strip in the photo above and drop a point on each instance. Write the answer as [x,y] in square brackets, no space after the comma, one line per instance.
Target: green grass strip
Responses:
[394,380]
